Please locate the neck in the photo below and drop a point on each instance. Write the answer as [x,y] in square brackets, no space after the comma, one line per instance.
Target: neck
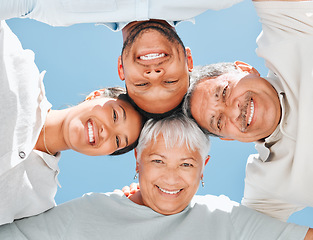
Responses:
[136,198]
[51,138]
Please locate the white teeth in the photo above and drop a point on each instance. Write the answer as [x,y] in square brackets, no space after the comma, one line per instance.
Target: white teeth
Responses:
[169,192]
[251,112]
[152,56]
[90,132]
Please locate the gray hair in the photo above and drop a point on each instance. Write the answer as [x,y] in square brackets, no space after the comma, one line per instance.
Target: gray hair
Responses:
[176,131]
[204,72]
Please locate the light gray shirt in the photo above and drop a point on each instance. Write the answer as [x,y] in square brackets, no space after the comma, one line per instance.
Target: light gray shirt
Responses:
[113,216]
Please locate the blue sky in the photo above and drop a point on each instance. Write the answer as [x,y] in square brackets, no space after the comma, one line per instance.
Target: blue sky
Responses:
[81,58]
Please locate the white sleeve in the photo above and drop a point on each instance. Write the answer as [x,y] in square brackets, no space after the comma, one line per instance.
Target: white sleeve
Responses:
[15,8]
[69,12]
[272,207]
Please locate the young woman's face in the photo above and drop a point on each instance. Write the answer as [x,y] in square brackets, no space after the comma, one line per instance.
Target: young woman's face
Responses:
[101,126]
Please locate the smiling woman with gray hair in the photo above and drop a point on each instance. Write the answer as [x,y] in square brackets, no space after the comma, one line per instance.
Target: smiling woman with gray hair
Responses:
[170,161]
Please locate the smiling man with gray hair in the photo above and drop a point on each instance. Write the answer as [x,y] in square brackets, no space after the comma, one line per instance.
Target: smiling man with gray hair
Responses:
[232,101]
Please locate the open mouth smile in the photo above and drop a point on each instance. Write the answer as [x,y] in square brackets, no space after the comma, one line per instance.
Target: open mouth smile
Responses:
[91,135]
[152,56]
[251,112]
[169,192]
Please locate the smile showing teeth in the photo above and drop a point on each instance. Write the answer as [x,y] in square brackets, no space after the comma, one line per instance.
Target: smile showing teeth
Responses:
[90,133]
[169,192]
[152,56]
[251,112]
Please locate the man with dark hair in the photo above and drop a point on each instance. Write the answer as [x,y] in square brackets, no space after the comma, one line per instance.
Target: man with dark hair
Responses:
[154,62]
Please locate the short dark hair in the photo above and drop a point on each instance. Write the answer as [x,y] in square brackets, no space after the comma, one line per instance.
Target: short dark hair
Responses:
[162,27]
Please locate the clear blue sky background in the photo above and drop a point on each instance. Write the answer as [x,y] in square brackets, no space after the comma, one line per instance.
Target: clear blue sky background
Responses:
[83,57]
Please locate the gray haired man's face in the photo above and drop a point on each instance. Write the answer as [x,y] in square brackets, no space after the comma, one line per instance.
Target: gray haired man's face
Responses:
[240,106]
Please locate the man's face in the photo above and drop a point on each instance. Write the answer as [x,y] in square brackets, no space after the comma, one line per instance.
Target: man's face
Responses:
[155,68]
[168,177]
[241,106]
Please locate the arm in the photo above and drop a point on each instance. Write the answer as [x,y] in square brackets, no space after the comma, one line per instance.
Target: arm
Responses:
[65,13]
[15,8]
[309,235]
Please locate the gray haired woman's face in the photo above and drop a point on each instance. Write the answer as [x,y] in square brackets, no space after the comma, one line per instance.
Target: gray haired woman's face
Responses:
[168,177]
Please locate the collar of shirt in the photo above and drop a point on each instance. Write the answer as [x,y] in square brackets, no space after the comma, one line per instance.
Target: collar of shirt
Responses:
[118,26]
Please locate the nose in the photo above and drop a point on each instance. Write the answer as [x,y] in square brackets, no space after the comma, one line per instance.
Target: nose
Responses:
[171,177]
[154,73]
[103,132]
[230,110]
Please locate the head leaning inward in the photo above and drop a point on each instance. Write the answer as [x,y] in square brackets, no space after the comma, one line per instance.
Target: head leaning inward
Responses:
[155,65]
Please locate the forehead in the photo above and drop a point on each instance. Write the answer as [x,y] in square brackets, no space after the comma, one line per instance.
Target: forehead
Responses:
[216,81]
[213,85]
[170,150]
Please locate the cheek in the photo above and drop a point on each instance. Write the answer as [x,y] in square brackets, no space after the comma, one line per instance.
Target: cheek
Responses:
[107,148]
[193,178]
[230,130]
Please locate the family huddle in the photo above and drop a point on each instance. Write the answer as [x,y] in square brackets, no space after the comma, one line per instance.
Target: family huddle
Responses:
[166,114]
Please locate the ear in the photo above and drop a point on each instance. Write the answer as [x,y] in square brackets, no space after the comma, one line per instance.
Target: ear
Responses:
[245,67]
[227,139]
[207,160]
[189,59]
[135,152]
[120,69]
[137,163]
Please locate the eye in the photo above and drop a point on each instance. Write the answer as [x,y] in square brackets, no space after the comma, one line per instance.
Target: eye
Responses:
[224,92]
[117,142]
[115,116]
[157,161]
[171,82]
[219,123]
[187,165]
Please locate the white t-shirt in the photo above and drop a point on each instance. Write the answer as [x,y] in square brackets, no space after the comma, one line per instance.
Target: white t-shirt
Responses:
[279,179]
[113,13]
[28,178]
[113,216]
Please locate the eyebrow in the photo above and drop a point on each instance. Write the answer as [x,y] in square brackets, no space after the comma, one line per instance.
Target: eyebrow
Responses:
[124,116]
[217,90]
[189,158]
[124,112]
[157,154]
[126,140]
